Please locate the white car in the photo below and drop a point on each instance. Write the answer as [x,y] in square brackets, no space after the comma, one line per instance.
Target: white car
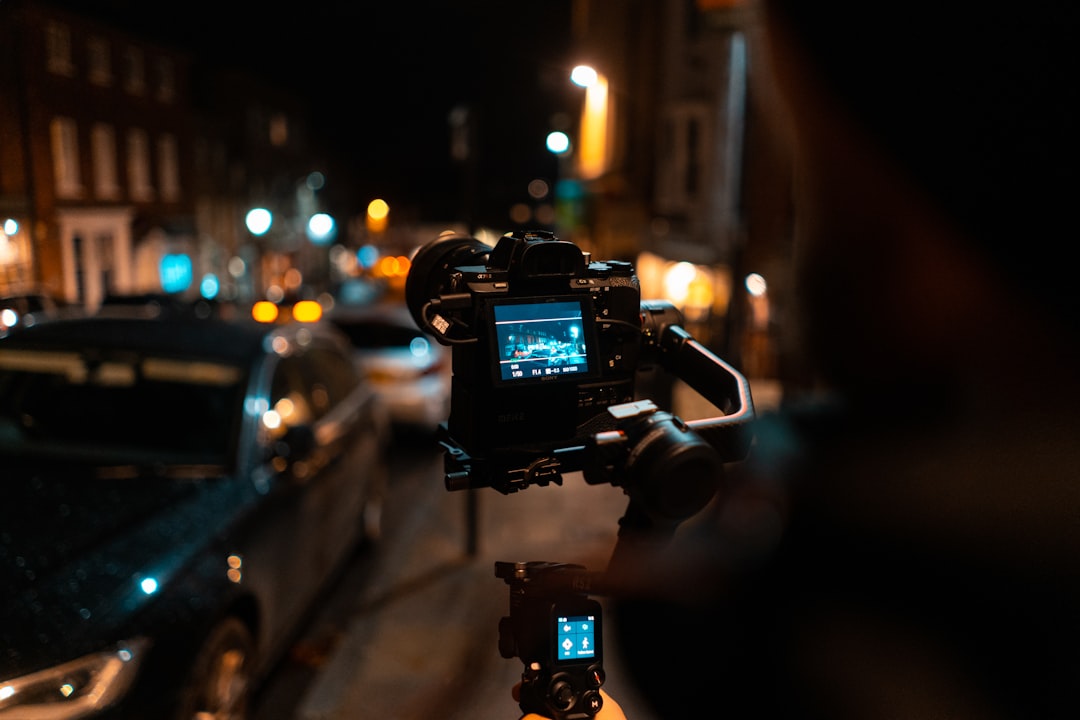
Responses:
[407,368]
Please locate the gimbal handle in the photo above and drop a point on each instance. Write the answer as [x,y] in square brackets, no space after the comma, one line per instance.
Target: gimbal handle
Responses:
[716,381]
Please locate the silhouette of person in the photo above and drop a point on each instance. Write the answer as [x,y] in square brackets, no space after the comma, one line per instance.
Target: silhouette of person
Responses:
[904,538]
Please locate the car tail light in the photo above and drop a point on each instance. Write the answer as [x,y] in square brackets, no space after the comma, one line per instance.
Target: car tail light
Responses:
[264,311]
[307,311]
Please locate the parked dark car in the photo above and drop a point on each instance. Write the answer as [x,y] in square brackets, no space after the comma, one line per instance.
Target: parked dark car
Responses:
[24,309]
[176,495]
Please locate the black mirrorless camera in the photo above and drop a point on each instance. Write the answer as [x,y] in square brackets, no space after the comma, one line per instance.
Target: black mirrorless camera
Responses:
[544,341]
[547,345]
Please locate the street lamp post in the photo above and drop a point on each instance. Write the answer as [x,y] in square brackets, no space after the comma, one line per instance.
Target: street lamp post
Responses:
[258,222]
[593,155]
[569,214]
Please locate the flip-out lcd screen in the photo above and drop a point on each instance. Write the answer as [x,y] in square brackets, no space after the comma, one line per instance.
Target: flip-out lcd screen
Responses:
[544,340]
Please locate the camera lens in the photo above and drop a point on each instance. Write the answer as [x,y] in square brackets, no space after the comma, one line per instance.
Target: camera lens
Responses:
[432,268]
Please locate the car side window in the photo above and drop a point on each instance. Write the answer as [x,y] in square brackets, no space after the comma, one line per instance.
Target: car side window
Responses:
[335,375]
[290,394]
[308,385]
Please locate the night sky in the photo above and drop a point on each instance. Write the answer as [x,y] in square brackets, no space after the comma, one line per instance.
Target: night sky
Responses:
[381,79]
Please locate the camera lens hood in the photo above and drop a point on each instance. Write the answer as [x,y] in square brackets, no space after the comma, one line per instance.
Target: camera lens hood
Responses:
[432,267]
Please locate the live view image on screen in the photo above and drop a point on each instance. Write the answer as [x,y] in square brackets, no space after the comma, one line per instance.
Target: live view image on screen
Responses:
[541,340]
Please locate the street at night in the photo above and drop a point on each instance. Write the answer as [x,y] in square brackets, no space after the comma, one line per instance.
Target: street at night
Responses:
[315,319]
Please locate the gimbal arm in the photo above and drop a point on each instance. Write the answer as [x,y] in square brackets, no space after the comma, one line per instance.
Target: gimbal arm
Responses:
[716,381]
[671,468]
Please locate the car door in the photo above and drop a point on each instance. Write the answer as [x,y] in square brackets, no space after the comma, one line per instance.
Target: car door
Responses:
[279,535]
[348,456]
[320,441]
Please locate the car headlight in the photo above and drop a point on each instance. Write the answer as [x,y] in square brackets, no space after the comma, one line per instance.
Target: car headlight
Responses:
[75,689]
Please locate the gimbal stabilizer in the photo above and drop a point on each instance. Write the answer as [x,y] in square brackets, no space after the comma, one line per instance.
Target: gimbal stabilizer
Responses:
[670,469]
[547,345]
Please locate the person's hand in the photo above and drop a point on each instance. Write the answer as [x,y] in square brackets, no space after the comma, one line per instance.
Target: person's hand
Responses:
[610,710]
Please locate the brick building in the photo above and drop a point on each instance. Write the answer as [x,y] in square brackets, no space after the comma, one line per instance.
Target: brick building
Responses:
[118,153]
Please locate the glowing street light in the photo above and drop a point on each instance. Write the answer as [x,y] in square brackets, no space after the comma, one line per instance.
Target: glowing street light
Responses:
[377,214]
[258,221]
[558,142]
[592,151]
[584,76]
[755,284]
[321,228]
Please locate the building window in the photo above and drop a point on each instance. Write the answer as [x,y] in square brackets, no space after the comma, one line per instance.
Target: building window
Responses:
[168,167]
[65,153]
[279,129]
[58,49]
[166,81]
[692,165]
[138,165]
[134,71]
[103,155]
[16,261]
[683,159]
[98,60]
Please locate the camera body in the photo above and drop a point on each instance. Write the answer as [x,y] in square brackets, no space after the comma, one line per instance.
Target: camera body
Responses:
[544,340]
[557,632]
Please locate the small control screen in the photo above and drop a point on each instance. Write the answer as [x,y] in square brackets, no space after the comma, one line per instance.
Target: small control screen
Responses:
[576,637]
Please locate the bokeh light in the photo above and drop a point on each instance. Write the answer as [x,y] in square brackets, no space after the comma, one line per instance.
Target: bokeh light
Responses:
[258,221]
[558,142]
[583,75]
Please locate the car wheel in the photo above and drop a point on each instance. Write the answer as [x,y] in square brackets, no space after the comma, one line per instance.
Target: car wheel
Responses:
[220,684]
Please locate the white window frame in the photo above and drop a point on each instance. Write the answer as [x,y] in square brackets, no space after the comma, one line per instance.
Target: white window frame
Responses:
[168,155]
[104,159]
[138,165]
[64,134]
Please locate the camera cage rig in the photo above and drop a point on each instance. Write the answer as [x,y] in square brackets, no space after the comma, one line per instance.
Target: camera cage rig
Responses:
[648,446]
[669,468]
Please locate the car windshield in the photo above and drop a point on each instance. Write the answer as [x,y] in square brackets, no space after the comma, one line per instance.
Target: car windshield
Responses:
[125,408]
[377,335]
